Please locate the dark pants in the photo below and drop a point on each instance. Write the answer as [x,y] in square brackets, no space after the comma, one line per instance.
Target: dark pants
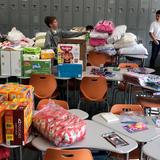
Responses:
[155,51]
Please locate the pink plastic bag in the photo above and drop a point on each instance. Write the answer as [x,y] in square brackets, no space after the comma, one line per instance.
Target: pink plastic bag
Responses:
[97,42]
[59,125]
[105,26]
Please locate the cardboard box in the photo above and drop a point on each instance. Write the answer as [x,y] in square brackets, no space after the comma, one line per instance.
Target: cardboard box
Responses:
[11,63]
[18,119]
[16,91]
[70,70]
[36,67]
[2,109]
[47,54]
[68,53]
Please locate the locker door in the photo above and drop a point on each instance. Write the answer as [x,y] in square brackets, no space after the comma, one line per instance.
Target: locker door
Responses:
[121,12]
[44,11]
[67,13]
[13,13]
[143,20]
[35,12]
[25,30]
[88,12]
[78,13]
[99,10]
[4,12]
[132,14]
[4,29]
[56,10]
[34,30]
[111,10]
[155,5]
[142,36]
[24,12]
[5,63]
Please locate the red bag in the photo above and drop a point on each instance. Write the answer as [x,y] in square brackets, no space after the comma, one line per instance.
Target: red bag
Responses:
[4,153]
[59,125]
[105,26]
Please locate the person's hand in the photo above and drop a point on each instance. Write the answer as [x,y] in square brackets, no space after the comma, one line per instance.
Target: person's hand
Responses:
[156,42]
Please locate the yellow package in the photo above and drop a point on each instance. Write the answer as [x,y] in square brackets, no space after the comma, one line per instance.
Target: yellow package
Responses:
[47,54]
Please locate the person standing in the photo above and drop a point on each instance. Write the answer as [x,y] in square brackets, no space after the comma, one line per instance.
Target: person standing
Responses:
[154,33]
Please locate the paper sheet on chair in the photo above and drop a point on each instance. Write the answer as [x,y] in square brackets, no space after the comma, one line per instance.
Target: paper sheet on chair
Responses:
[109,117]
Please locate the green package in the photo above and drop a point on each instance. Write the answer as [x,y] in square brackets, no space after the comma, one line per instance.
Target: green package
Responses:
[31,50]
[36,67]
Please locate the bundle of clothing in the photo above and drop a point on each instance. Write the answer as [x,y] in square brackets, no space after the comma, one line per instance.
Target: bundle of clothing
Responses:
[40,39]
[99,36]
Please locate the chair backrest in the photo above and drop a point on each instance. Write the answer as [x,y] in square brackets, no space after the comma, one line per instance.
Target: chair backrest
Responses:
[132,80]
[128,65]
[61,103]
[58,154]
[96,58]
[44,85]
[94,89]
[119,108]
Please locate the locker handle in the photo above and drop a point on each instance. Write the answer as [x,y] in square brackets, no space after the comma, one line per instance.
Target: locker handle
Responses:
[13,6]
[88,8]
[2,5]
[120,10]
[98,9]
[66,8]
[132,10]
[45,6]
[142,10]
[153,10]
[77,8]
[34,6]
[56,7]
[23,5]
[109,10]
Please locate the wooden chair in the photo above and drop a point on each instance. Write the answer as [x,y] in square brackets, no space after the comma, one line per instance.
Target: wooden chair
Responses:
[119,108]
[58,154]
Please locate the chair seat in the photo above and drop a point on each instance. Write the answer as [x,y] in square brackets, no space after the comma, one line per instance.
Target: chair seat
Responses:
[149,102]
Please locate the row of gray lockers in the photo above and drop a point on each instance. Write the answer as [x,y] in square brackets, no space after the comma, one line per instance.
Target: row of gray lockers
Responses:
[28,15]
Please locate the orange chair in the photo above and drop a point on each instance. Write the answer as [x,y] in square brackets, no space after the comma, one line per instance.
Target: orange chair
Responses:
[58,154]
[97,58]
[43,102]
[119,108]
[93,89]
[128,65]
[122,85]
[44,86]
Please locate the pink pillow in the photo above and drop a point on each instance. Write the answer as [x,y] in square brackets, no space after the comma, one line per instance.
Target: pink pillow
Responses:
[97,42]
[105,26]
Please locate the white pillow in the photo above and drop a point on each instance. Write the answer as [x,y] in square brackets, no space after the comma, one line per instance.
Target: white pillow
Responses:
[129,39]
[40,43]
[98,35]
[117,34]
[137,49]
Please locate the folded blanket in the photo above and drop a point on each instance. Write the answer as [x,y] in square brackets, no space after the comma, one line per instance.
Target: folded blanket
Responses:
[98,35]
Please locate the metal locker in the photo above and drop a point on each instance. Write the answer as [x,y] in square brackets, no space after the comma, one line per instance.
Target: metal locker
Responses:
[99,10]
[34,30]
[25,30]
[24,12]
[13,13]
[67,13]
[143,19]
[44,10]
[111,10]
[4,12]
[78,13]
[56,8]
[121,12]
[4,29]
[88,12]
[35,12]
[155,5]
[132,14]
[141,36]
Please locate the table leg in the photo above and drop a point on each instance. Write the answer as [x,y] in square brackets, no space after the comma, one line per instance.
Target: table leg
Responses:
[20,153]
[127,156]
[67,90]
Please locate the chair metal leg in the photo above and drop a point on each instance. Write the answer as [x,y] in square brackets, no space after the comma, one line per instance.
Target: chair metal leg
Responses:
[79,104]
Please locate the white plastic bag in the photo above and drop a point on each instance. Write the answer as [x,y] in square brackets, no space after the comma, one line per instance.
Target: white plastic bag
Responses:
[15,35]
